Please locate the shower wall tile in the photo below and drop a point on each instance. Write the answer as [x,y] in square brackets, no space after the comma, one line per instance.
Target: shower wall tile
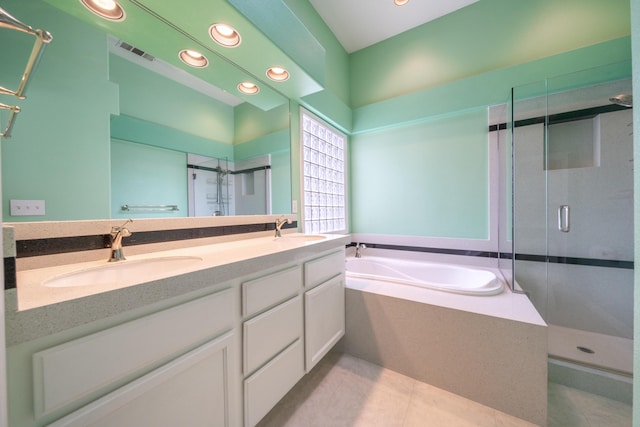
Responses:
[532,277]
[596,299]
[600,198]
[591,298]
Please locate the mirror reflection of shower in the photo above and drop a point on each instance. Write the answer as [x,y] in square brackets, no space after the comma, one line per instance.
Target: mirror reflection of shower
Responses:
[210,187]
[220,200]
[219,187]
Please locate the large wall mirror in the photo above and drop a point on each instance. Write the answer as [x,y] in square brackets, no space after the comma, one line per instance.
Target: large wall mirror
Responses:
[115,126]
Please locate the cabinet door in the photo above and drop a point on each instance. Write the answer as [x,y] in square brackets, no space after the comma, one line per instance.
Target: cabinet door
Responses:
[193,390]
[324,319]
[70,372]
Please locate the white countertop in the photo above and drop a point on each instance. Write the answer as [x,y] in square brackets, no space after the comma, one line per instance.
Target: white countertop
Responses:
[35,310]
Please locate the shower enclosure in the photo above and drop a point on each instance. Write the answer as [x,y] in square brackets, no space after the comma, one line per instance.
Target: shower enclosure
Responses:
[219,187]
[567,159]
[210,189]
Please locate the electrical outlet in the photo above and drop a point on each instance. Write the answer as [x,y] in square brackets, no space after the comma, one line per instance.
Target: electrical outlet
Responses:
[294,206]
[27,207]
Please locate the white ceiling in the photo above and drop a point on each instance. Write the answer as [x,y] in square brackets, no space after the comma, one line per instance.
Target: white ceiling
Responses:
[361,23]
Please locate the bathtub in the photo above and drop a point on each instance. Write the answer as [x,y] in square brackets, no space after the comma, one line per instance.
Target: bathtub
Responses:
[440,277]
[425,320]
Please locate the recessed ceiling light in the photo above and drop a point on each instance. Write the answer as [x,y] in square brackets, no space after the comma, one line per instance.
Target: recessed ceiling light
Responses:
[248,88]
[107,9]
[193,58]
[278,74]
[400,2]
[224,35]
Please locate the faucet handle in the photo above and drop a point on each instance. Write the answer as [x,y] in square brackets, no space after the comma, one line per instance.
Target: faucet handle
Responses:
[360,246]
[116,228]
[282,220]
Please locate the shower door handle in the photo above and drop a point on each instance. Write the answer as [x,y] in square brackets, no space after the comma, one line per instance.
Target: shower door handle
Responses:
[563,218]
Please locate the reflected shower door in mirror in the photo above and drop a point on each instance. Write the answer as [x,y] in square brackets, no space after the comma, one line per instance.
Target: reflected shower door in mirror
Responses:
[220,187]
[107,124]
[209,180]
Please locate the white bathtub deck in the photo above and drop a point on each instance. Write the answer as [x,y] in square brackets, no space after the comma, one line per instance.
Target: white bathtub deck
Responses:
[507,305]
[473,346]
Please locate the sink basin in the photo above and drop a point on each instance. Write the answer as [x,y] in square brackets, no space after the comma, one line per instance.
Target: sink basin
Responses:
[299,237]
[122,272]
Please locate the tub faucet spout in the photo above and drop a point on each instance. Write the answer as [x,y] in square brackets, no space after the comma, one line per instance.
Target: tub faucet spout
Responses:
[117,233]
[360,246]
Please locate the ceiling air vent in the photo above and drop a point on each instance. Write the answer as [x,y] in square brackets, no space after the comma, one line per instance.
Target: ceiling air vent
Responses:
[135,50]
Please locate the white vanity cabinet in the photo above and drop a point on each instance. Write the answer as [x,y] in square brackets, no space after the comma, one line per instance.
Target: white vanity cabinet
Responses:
[324,305]
[193,390]
[273,351]
[294,318]
[222,355]
[190,351]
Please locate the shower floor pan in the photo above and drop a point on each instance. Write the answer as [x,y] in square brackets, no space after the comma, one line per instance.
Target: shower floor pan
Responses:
[591,349]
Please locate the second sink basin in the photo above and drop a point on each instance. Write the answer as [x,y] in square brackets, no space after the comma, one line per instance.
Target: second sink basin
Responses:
[122,272]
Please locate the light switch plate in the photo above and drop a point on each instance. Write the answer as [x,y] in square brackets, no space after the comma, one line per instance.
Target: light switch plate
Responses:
[26,207]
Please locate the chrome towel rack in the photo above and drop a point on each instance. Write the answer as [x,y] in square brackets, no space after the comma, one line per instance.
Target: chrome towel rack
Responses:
[149,208]
[42,38]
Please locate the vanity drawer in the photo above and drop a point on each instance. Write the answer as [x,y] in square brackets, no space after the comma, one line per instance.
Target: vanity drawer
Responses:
[267,386]
[266,335]
[266,291]
[324,268]
[82,367]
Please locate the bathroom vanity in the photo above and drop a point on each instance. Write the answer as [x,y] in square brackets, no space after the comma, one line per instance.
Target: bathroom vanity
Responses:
[219,343]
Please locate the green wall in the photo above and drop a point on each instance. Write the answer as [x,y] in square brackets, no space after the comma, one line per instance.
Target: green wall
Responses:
[276,144]
[157,99]
[134,166]
[333,103]
[136,130]
[250,122]
[407,94]
[62,132]
[258,133]
[488,88]
[448,197]
[424,179]
[485,36]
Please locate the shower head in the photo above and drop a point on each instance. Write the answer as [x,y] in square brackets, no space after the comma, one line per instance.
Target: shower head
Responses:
[623,99]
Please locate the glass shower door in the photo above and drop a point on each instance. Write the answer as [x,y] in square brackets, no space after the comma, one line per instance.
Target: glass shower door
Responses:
[573,213]
[588,164]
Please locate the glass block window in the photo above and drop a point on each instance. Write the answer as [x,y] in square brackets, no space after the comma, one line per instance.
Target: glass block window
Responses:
[323,157]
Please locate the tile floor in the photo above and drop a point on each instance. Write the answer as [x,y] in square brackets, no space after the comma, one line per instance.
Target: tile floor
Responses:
[345,391]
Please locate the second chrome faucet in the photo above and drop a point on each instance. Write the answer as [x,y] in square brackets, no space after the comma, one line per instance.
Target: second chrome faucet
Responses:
[279,223]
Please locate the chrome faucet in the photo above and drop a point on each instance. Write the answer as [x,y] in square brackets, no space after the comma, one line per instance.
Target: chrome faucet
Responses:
[358,247]
[117,233]
[279,223]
